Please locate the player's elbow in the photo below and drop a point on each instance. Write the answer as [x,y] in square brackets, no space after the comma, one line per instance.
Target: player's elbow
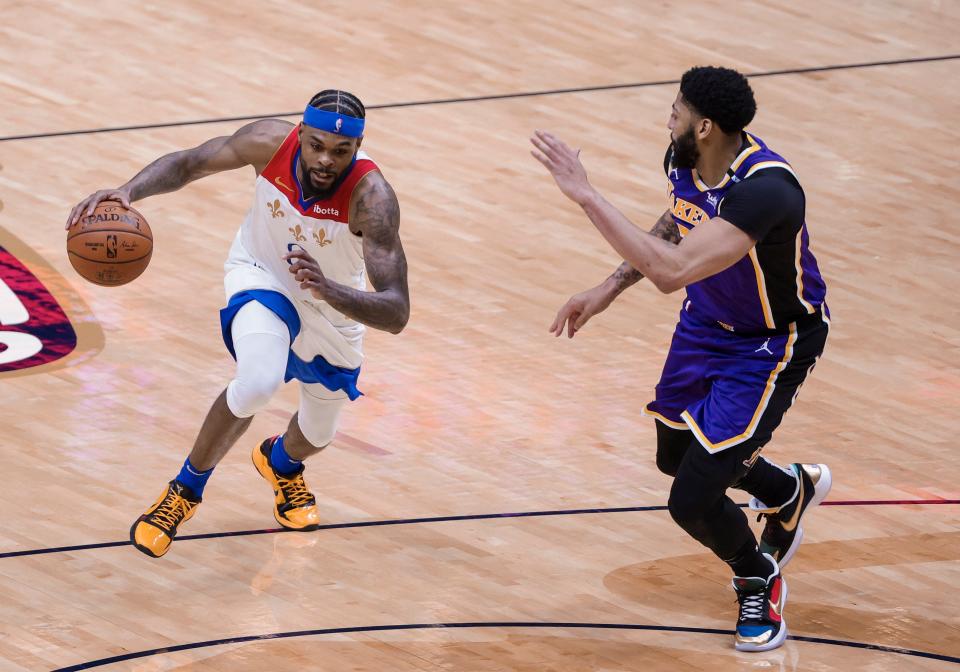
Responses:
[668,271]
[667,281]
[668,288]
[400,320]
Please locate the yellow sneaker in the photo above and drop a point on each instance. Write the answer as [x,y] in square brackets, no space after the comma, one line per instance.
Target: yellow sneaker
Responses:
[153,532]
[294,506]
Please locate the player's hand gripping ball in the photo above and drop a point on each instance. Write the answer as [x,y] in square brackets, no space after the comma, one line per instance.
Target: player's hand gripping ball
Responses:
[110,246]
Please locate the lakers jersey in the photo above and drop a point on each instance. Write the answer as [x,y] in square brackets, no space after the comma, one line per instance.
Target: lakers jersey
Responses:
[778,281]
[282,220]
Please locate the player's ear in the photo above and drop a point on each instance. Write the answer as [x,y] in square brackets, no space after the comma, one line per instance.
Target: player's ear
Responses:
[704,126]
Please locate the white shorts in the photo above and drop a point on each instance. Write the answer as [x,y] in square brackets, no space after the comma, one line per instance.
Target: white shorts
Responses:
[261,342]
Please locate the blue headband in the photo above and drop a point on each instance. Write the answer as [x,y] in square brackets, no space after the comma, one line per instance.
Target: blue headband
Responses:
[333,122]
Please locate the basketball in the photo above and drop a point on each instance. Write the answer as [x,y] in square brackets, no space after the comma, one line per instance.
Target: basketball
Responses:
[110,247]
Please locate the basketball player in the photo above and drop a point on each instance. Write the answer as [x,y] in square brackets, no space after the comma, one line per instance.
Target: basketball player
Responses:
[751,328]
[322,218]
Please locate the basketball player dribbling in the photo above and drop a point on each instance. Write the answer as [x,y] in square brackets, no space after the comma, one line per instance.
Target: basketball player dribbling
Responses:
[751,328]
[323,218]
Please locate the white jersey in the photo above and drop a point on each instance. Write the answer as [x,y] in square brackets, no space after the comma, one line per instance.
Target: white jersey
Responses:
[279,221]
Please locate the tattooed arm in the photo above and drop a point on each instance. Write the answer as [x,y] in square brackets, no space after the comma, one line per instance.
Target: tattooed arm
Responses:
[251,145]
[581,307]
[626,275]
[375,215]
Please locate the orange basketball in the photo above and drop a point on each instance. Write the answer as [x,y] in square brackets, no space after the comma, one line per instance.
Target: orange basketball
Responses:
[112,246]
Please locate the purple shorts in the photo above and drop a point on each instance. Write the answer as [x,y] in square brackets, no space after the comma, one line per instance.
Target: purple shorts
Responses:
[728,387]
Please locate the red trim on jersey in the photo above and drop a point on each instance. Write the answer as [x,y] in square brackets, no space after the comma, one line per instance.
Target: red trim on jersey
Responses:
[281,173]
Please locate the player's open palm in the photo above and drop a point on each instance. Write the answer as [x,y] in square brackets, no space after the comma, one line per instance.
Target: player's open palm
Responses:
[564,165]
[578,309]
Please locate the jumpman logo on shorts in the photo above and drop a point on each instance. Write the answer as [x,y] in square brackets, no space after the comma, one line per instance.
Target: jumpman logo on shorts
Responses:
[765,347]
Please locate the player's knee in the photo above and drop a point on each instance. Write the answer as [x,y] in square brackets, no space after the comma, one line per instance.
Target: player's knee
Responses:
[248,396]
[686,505]
[668,463]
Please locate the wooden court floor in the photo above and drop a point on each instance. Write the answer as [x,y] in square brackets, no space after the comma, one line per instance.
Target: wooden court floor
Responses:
[475,414]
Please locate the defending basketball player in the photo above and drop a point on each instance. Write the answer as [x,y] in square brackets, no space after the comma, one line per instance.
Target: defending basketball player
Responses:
[322,219]
[751,328]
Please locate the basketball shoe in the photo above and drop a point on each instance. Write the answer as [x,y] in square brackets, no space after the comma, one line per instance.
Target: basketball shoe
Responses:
[294,506]
[783,532]
[153,532]
[760,626]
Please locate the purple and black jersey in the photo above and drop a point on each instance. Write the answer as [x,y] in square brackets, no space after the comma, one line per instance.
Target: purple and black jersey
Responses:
[748,336]
[778,281]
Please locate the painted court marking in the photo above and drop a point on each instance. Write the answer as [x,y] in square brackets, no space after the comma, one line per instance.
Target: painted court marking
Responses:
[445,519]
[436,626]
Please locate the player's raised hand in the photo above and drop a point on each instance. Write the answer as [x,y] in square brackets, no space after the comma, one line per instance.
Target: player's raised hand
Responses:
[564,165]
[578,309]
[87,205]
[307,272]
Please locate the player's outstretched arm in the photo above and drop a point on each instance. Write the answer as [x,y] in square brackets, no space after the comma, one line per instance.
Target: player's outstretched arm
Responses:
[626,275]
[253,144]
[708,249]
[374,214]
[581,307]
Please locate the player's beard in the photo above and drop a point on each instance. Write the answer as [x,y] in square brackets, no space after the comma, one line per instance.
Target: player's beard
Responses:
[309,190]
[685,150]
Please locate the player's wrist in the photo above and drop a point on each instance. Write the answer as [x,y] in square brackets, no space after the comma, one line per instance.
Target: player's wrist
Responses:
[587,198]
[608,290]
[329,291]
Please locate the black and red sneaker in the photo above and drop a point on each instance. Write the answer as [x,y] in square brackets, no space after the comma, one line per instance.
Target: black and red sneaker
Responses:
[760,626]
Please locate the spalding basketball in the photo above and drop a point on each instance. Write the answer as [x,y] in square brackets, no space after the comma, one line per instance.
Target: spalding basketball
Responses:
[112,246]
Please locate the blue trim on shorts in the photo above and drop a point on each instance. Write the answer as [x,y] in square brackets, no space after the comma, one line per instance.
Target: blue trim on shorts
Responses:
[318,370]
[278,304]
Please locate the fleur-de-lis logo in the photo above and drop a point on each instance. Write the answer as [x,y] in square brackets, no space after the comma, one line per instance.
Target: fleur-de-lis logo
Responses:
[275,208]
[321,238]
[297,232]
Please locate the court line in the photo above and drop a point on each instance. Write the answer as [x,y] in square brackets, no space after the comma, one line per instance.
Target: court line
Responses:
[476,99]
[502,624]
[445,519]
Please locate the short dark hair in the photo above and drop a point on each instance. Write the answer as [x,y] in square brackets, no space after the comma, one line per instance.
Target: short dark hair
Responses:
[720,94]
[342,102]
